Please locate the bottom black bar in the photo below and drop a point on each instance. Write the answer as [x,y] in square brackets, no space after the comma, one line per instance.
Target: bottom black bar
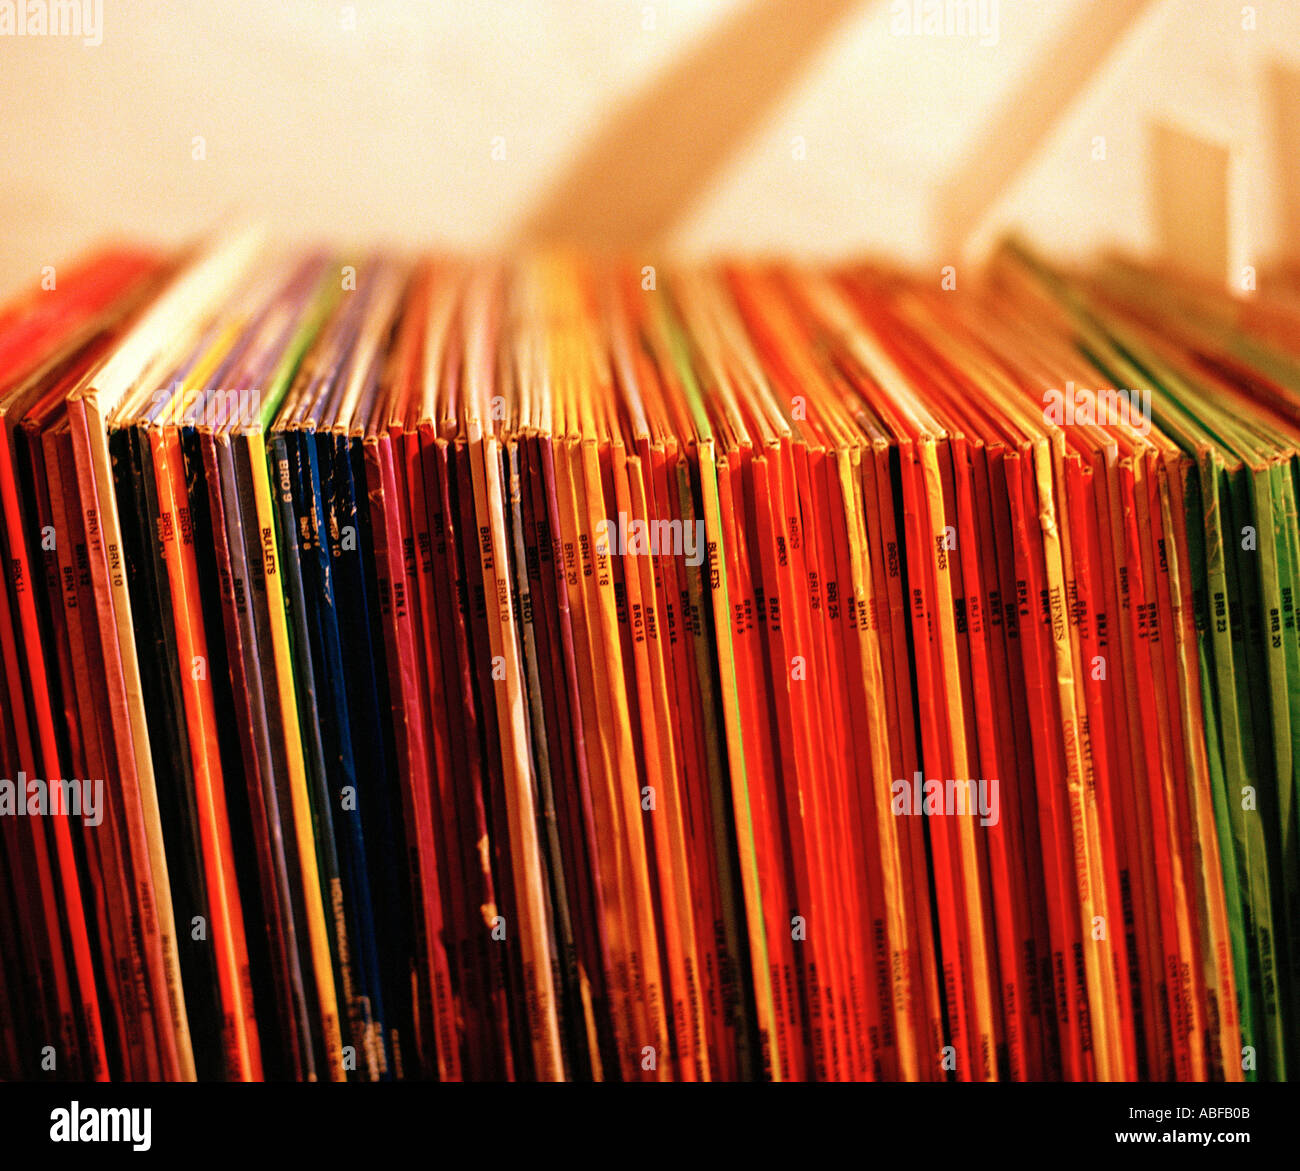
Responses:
[585,1122]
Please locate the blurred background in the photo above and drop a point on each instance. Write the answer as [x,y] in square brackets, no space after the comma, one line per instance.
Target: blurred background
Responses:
[820,128]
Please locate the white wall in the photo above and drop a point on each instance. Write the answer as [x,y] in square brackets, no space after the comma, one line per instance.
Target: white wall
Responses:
[385,132]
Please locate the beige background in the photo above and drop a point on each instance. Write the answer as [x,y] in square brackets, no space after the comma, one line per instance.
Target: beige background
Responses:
[385,132]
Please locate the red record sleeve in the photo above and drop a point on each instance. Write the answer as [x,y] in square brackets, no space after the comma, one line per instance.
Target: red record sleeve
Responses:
[1055,842]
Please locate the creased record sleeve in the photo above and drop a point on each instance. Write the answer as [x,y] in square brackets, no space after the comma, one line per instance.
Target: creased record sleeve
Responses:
[615,700]
[716,907]
[1186,1001]
[1162,554]
[565,811]
[301,677]
[1084,841]
[487,965]
[257,469]
[160,677]
[61,324]
[754,479]
[1140,615]
[973,948]
[138,1040]
[348,529]
[1110,1014]
[1054,839]
[557,862]
[1216,890]
[960,492]
[553,635]
[1023,793]
[854,572]
[246,687]
[1094,977]
[173,315]
[1164,376]
[422,561]
[1072,843]
[779,900]
[492,964]
[303,437]
[645,583]
[1246,838]
[109,894]
[849,598]
[956,1055]
[1013,768]
[563,867]
[1079,495]
[39,520]
[670,829]
[574,791]
[762,678]
[707,470]
[700,726]
[957,488]
[789,622]
[563,952]
[1271,486]
[504,909]
[484,990]
[1010,855]
[78,980]
[437,1029]
[855,1018]
[917,1012]
[845,809]
[972,671]
[972,616]
[894,959]
[882,960]
[1071,549]
[484,451]
[425,552]
[241,568]
[1150,935]
[458,995]
[629,1008]
[211,444]
[175,534]
[653,911]
[664,824]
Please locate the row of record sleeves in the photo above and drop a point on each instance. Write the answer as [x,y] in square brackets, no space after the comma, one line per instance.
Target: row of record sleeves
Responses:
[575,669]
